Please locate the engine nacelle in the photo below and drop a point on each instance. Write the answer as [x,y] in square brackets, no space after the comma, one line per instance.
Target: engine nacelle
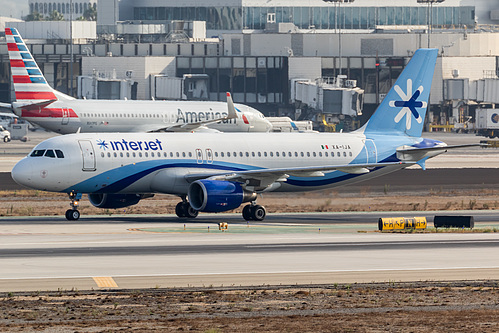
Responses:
[217,195]
[102,200]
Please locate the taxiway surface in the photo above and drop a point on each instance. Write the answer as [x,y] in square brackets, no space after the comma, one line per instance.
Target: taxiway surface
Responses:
[153,251]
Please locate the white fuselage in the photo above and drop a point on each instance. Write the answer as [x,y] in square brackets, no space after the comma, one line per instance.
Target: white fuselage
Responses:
[161,162]
[69,116]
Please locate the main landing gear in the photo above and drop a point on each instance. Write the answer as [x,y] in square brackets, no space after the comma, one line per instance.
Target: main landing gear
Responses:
[254,212]
[184,209]
[73,214]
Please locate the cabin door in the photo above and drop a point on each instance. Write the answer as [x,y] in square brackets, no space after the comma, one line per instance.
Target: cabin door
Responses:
[65,117]
[88,154]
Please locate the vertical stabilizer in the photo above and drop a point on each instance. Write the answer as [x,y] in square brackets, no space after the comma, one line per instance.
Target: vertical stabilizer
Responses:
[403,110]
[30,86]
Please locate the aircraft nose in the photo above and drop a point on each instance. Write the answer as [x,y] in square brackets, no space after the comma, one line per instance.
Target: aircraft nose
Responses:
[22,173]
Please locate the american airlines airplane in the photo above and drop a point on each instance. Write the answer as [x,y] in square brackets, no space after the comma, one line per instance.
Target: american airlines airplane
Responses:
[38,103]
[217,172]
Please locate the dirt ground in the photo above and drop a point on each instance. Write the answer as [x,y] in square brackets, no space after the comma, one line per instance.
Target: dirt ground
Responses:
[380,307]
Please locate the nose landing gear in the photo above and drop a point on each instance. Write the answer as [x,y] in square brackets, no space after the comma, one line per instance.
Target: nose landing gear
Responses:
[73,214]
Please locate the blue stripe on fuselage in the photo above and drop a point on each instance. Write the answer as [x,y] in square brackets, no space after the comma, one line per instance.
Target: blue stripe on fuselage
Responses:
[116,180]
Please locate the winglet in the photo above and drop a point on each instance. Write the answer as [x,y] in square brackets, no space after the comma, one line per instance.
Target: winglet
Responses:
[231,109]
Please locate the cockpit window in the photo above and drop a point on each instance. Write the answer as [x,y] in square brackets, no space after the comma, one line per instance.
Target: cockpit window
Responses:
[59,153]
[49,153]
[37,153]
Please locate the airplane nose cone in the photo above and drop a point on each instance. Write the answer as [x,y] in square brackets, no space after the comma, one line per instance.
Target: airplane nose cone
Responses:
[22,173]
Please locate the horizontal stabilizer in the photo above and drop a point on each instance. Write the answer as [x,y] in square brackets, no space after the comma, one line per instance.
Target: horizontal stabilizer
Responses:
[6,106]
[33,106]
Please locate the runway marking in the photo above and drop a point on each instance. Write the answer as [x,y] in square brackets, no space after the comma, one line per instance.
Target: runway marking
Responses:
[105,282]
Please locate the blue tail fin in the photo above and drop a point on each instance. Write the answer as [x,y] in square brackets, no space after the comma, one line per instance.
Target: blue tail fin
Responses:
[403,109]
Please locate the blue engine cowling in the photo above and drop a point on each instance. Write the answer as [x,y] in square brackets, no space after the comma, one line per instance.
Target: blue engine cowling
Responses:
[101,200]
[217,195]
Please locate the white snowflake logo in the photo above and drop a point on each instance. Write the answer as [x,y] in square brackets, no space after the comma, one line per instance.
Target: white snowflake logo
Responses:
[408,104]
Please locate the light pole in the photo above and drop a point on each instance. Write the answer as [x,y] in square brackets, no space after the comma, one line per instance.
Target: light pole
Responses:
[337,7]
[71,47]
[429,18]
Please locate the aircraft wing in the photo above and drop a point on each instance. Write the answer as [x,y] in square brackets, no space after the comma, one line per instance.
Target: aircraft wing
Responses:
[261,179]
[188,127]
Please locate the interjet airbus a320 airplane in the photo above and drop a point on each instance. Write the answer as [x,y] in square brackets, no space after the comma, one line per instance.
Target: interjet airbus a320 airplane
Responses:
[217,172]
[38,103]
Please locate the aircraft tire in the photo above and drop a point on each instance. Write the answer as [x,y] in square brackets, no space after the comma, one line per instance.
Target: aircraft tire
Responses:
[247,213]
[258,213]
[72,215]
[189,211]
[179,209]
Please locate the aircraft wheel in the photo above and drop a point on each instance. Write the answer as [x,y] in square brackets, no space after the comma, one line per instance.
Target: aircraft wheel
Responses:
[247,213]
[6,139]
[258,213]
[189,211]
[179,209]
[72,215]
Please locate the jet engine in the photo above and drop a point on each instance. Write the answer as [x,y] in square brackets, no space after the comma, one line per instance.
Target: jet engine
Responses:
[101,200]
[217,195]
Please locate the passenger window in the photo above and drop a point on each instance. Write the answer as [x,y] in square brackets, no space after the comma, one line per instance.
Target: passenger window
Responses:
[247,154]
[308,154]
[314,154]
[302,155]
[59,153]
[259,154]
[222,154]
[326,154]
[296,154]
[127,154]
[338,154]
[277,154]
[101,154]
[121,154]
[271,154]
[190,154]
[289,154]
[345,154]
[37,153]
[265,154]
[146,154]
[115,155]
[235,154]
[108,154]
[228,154]
[178,154]
[252,154]
[140,154]
[216,154]
[133,154]
[350,154]
[320,154]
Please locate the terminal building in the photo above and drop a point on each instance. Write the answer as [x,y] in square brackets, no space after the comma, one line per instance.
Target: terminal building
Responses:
[331,62]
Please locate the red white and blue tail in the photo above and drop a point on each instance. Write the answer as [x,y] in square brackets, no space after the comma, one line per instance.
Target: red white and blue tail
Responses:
[30,86]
